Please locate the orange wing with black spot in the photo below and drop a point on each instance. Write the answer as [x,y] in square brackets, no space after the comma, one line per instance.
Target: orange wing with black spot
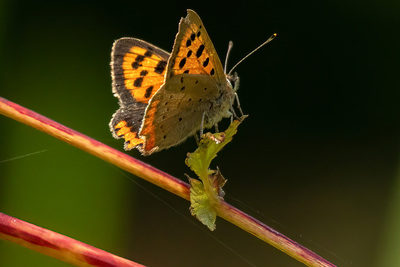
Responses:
[193,51]
[138,69]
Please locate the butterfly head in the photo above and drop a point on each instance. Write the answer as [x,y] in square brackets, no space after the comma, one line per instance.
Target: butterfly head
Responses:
[233,81]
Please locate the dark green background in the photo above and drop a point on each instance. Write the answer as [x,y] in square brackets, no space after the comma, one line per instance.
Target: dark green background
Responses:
[317,159]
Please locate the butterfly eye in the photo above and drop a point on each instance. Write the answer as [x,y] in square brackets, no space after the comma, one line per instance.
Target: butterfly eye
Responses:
[233,81]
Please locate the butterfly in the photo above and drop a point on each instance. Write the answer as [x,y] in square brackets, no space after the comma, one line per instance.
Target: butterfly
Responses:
[165,98]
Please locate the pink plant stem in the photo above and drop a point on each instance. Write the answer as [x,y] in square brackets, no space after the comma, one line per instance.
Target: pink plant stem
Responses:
[56,245]
[159,178]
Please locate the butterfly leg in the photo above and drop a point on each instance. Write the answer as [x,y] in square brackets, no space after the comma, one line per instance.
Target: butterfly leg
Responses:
[233,112]
[202,124]
[197,139]
[216,128]
[238,105]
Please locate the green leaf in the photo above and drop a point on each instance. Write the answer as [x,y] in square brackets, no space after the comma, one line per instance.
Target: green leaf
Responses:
[207,192]
[201,207]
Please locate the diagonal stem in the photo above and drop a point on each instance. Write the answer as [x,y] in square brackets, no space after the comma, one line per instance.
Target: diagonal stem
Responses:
[159,178]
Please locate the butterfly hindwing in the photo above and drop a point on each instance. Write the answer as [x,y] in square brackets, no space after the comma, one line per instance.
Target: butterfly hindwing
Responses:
[126,123]
[177,111]
[138,70]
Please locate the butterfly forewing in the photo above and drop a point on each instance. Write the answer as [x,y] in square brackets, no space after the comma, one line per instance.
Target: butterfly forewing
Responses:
[138,68]
[193,51]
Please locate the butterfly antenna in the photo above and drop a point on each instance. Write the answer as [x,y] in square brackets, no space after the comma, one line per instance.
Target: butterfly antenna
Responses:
[266,42]
[227,54]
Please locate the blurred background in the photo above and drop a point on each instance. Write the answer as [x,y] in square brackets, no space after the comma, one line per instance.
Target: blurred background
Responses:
[317,159]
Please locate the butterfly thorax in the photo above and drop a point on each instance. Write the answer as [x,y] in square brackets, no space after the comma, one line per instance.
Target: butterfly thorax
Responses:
[221,105]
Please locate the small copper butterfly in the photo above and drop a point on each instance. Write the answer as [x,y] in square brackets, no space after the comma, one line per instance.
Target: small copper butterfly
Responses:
[165,98]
